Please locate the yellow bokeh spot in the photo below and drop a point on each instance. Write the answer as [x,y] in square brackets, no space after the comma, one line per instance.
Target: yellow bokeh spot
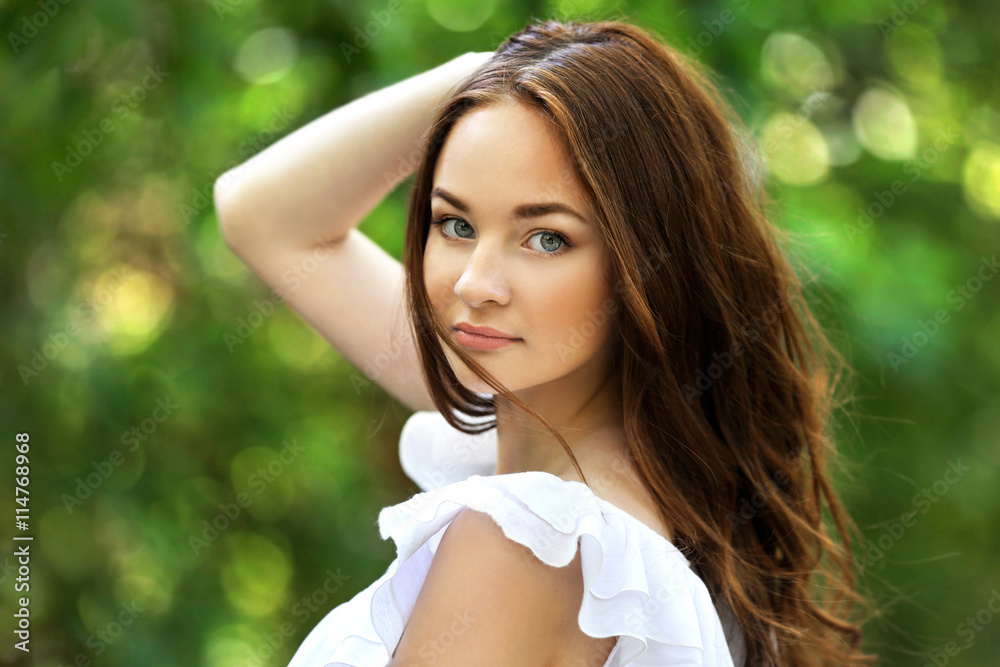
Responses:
[884,125]
[795,148]
[144,577]
[460,16]
[236,644]
[267,55]
[796,65]
[147,591]
[981,178]
[131,306]
[256,574]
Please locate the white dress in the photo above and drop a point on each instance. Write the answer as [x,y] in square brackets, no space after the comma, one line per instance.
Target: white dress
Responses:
[637,585]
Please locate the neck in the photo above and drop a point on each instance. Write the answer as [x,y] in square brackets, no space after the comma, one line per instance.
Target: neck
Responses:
[589,415]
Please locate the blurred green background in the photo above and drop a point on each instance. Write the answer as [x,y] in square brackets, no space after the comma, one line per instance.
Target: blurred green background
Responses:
[163,389]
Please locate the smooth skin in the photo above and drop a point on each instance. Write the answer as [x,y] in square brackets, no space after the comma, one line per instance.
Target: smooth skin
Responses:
[535,278]
[488,601]
[298,203]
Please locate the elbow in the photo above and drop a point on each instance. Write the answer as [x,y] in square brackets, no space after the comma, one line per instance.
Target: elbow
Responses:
[225,202]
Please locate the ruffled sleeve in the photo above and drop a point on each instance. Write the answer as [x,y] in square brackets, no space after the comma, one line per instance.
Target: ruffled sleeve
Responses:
[434,454]
[637,585]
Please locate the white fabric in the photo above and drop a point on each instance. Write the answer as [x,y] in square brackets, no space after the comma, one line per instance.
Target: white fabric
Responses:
[434,454]
[637,585]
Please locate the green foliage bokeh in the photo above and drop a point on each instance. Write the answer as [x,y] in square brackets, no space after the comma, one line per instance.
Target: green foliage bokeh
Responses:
[151,415]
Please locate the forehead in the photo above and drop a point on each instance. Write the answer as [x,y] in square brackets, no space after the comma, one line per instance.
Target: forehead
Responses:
[507,153]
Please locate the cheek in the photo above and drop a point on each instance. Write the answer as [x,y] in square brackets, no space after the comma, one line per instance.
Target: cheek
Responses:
[573,311]
[439,282]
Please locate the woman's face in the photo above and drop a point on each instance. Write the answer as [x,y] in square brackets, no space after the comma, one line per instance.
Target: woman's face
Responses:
[498,260]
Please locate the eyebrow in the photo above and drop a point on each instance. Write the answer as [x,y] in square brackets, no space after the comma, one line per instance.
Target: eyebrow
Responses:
[521,212]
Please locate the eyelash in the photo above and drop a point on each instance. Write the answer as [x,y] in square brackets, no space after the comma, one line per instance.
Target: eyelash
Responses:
[439,223]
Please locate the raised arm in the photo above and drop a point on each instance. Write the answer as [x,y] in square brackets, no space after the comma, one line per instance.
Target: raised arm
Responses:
[296,205]
[319,182]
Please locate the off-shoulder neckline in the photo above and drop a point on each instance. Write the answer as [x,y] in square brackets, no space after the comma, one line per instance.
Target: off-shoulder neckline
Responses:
[643,526]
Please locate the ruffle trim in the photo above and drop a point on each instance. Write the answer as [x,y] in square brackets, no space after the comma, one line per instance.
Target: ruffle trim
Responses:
[435,454]
[637,585]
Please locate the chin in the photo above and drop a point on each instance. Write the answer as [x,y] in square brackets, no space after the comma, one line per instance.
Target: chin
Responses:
[474,383]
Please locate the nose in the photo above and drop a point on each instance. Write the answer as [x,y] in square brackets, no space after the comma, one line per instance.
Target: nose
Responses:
[482,279]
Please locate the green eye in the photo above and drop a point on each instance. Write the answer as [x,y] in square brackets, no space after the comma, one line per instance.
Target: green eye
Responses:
[549,237]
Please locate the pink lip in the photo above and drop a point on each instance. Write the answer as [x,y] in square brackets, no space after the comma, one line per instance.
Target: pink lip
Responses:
[484,331]
[482,338]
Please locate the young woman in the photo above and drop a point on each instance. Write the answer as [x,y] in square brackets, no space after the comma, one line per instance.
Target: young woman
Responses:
[590,280]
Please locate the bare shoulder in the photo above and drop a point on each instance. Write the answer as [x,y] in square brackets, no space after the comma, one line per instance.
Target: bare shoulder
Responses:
[489,601]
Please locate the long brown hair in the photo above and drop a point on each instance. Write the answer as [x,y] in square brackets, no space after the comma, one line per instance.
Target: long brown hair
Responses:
[727,379]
